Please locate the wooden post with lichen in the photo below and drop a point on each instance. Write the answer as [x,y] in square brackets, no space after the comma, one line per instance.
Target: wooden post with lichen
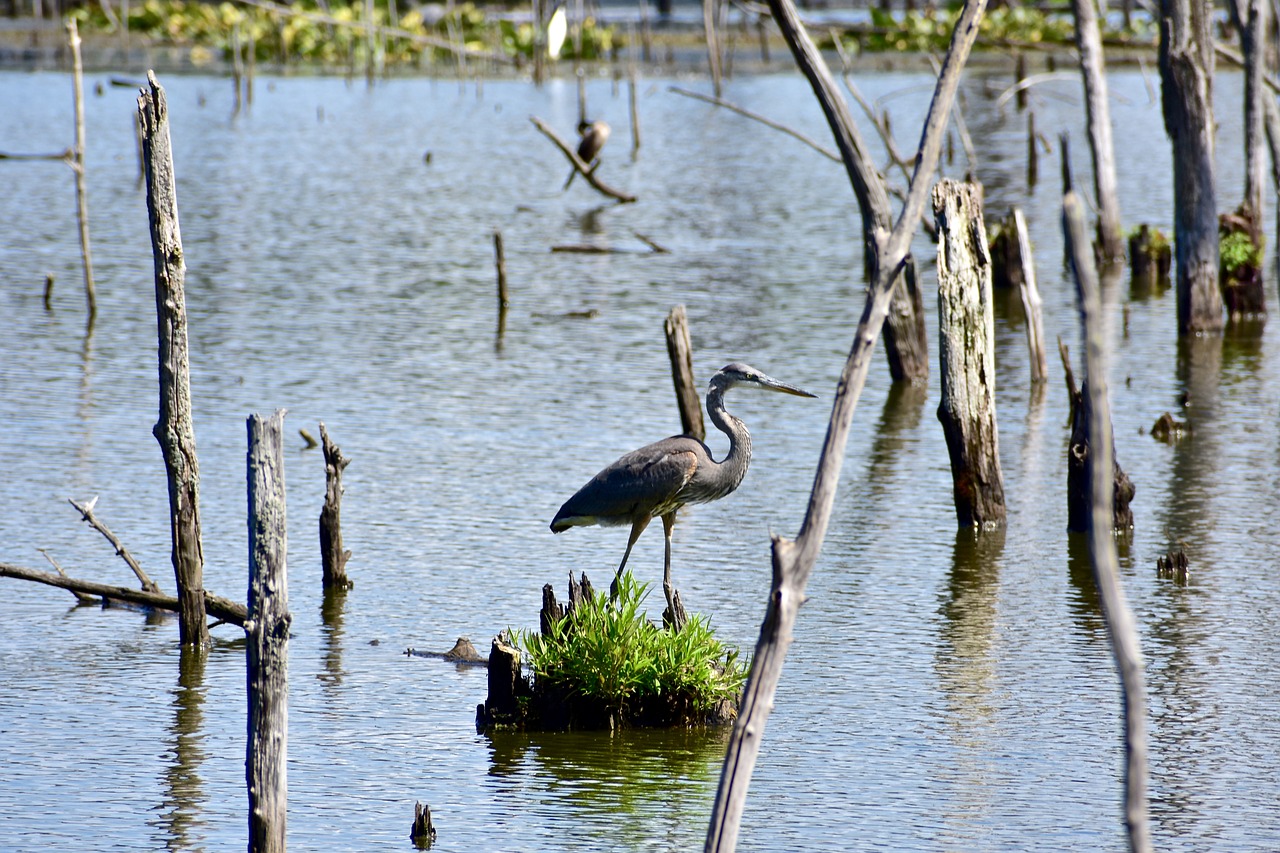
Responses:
[174,430]
[680,349]
[268,637]
[966,329]
[333,558]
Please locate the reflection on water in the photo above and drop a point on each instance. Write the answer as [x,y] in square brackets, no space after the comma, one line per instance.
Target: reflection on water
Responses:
[944,691]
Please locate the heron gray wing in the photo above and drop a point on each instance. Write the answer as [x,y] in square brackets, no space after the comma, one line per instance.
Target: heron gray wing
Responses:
[645,482]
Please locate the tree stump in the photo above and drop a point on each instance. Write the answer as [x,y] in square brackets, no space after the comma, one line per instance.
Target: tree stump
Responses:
[1150,258]
[1241,266]
[333,558]
[1079,482]
[966,327]
[507,685]
[423,831]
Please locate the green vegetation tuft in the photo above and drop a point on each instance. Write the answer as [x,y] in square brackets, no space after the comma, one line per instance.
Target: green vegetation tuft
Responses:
[1236,250]
[610,653]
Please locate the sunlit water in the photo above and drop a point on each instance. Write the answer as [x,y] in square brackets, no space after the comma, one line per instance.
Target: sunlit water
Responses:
[941,694]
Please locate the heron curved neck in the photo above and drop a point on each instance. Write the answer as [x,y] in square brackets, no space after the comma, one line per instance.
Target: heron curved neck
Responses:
[731,469]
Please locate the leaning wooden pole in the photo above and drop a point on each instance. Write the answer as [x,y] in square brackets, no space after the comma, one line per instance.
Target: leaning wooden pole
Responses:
[1098,117]
[1102,548]
[1186,76]
[174,430]
[1031,301]
[266,770]
[680,349]
[77,165]
[793,560]
[966,352]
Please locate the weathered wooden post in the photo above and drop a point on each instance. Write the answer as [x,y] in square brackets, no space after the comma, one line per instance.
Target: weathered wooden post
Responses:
[1031,301]
[504,297]
[266,768]
[966,329]
[175,430]
[680,350]
[1098,117]
[77,165]
[333,557]
[1186,75]
[1102,549]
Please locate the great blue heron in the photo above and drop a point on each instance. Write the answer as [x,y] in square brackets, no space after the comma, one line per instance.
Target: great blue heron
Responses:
[594,135]
[659,478]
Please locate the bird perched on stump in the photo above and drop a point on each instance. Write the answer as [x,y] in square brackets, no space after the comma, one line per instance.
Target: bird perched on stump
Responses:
[659,478]
[594,135]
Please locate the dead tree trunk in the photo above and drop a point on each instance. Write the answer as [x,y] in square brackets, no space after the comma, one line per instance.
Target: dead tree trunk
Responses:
[793,560]
[1252,22]
[77,163]
[966,330]
[333,558]
[268,640]
[1098,115]
[680,349]
[174,430]
[1186,74]
[1102,549]
[1031,301]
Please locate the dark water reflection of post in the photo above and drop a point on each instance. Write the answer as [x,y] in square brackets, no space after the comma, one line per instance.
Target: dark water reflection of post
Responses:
[640,783]
[898,419]
[965,666]
[1085,604]
[185,790]
[332,610]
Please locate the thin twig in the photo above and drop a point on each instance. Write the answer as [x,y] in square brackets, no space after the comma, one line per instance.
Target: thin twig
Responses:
[86,510]
[80,596]
[742,111]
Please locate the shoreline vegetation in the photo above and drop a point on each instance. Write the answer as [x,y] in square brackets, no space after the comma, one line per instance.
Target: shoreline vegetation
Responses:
[376,39]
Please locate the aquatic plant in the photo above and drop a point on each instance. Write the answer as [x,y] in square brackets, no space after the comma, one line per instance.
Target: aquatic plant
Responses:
[610,656]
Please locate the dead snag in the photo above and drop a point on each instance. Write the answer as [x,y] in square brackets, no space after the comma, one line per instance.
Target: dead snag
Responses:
[680,349]
[507,685]
[268,628]
[1098,116]
[423,831]
[1186,72]
[793,559]
[1102,547]
[332,556]
[86,511]
[966,329]
[175,430]
[77,164]
[1031,302]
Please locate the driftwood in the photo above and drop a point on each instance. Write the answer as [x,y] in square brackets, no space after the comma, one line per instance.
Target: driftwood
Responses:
[463,653]
[77,165]
[966,330]
[793,560]
[333,557]
[1098,117]
[1186,74]
[266,769]
[174,431]
[86,512]
[680,349]
[220,608]
[1102,549]
[582,168]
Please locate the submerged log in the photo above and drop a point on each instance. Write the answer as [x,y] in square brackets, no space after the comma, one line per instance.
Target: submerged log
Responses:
[175,430]
[966,328]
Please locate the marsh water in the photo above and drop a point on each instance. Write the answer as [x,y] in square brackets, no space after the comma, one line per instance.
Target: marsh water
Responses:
[942,693]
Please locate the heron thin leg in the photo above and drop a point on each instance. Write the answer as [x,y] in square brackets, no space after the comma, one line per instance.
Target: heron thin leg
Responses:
[668,521]
[637,527]
[675,615]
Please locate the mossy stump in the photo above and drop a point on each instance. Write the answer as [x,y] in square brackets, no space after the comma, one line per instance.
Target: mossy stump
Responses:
[608,667]
[1150,258]
[1240,266]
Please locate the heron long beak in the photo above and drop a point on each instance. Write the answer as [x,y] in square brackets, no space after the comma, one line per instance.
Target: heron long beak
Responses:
[771,384]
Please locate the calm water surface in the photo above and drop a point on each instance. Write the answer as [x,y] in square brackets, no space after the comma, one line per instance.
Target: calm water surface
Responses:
[941,694]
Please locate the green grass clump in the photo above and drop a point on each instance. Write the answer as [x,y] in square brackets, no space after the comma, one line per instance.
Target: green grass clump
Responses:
[610,656]
[1236,250]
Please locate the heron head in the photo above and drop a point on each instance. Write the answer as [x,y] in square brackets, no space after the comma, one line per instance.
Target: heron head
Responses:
[739,375]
